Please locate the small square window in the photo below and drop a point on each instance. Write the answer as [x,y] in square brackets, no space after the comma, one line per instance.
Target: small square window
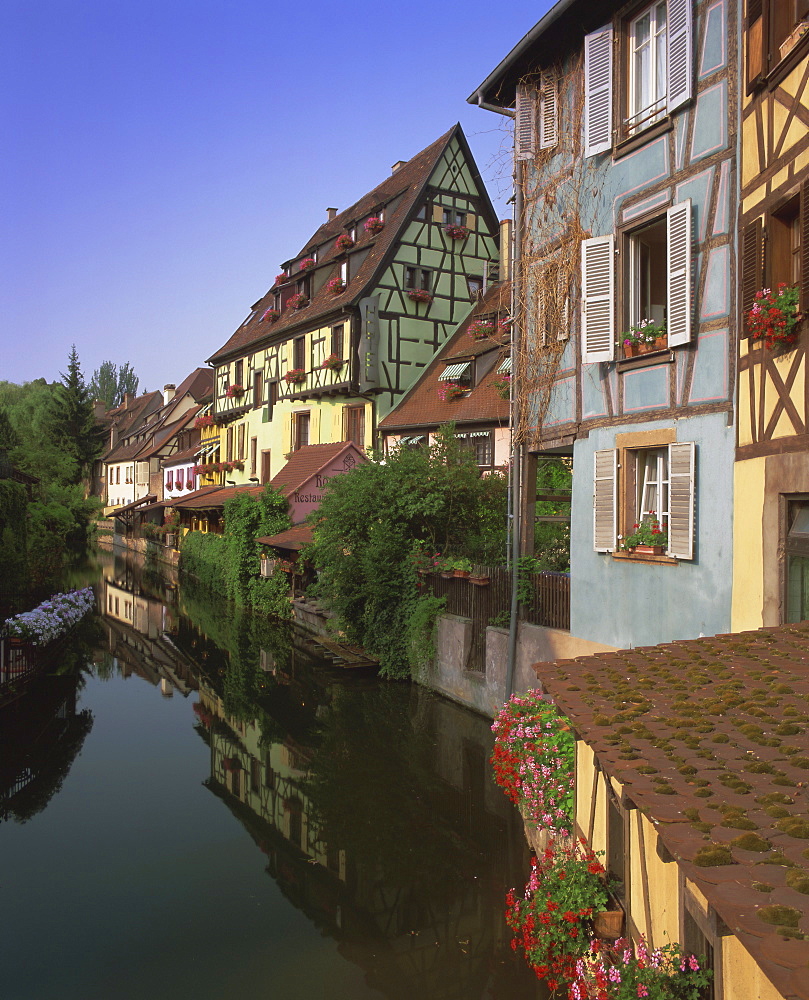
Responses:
[454,217]
[418,278]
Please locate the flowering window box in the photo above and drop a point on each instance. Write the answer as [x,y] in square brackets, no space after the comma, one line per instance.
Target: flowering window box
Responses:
[333,363]
[374,225]
[270,316]
[452,390]
[234,391]
[774,316]
[456,232]
[206,420]
[343,243]
[306,264]
[336,286]
[297,301]
[419,295]
[295,376]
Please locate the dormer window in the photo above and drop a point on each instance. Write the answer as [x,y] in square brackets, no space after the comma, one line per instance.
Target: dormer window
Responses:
[457,371]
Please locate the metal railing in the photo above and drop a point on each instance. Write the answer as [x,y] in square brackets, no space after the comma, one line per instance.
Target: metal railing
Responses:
[18,661]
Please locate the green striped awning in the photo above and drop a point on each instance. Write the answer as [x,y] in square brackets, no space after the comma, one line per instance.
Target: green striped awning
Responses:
[460,369]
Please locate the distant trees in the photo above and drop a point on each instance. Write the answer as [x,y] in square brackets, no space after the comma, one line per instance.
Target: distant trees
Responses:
[111,383]
[73,420]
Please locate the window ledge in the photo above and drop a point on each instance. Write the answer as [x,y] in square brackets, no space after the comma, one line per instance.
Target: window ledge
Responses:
[785,66]
[646,360]
[641,138]
[645,557]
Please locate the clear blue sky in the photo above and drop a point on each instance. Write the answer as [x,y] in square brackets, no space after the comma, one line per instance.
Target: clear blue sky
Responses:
[162,157]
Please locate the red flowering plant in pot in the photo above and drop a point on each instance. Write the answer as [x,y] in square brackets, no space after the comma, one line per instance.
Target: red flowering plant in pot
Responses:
[234,391]
[647,536]
[206,420]
[456,232]
[307,264]
[479,329]
[552,920]
[343,243]
[270,316]
[774,316]
[448,391]
[621,972]
[295,376]
[333,363]
[374,225]
[419,295]
[336,286]
[297,301]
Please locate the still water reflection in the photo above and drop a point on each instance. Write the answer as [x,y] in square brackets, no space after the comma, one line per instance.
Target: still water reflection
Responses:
[203,809]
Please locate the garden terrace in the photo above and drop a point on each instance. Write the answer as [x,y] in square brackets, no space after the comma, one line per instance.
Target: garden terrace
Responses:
[708,737]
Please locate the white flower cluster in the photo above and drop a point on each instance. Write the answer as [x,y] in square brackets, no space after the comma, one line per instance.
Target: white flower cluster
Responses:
[52,618]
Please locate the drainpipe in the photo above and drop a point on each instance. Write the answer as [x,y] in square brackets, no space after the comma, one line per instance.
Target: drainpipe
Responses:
[516,341]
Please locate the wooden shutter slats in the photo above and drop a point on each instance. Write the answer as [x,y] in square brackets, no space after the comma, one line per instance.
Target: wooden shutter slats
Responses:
[804,223]
[752,264]
[548,111]
[598,91]
[681,499]
[598,282]
[678,248]
[679,53]
[605,500]
[525,124]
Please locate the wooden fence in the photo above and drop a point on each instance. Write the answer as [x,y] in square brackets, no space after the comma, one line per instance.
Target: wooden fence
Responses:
[491,604]
[18,662]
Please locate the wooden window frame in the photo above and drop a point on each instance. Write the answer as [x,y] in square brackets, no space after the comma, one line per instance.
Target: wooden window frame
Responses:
[238,372]
[300,418]
[299,352]
[258,388]
[253,455]
[764,66]
[338,339]
[422,278]
[349,411]
[789,547]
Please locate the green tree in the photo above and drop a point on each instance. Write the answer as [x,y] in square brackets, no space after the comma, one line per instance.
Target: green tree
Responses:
[373,520]
[111,383]
[73,420]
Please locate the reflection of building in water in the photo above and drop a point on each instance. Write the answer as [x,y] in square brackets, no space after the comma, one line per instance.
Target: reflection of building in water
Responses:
[403,863]
[39,741]
[137,624]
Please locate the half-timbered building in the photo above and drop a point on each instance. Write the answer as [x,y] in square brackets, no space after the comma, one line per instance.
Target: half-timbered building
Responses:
[352,320]
[771,523]
[625,142]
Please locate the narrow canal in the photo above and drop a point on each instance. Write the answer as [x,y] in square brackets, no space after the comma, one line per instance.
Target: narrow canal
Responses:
[195,806]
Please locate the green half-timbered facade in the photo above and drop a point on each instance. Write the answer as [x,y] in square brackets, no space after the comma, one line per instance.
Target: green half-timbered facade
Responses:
[353,319]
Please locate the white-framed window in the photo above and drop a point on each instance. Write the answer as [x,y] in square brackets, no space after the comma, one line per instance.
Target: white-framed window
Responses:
[652,477]
[647,67]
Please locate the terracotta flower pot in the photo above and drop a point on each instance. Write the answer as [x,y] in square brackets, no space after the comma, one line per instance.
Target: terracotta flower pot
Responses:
[608,924]
[462,573]
[650,550]
[479,581]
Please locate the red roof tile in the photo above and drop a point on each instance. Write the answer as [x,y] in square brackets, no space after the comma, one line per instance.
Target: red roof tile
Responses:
[212,496]
[293,539]
[304,463]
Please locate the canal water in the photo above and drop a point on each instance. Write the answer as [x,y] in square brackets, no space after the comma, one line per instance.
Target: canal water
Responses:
[193,805]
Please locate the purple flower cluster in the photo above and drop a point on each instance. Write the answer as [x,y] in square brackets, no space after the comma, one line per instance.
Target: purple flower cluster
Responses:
[52,618]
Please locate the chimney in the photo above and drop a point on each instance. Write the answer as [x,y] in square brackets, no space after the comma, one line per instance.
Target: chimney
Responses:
[168,392]
[127,400]
[397,166]
[99,408]
[505,249]
[331,213]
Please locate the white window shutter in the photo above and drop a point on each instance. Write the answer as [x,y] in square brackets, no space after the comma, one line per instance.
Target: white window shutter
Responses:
[605,500]
[681,499]
[598,282]
[678,251]
[548,111]
[679,38]
[525,124]
[598,91]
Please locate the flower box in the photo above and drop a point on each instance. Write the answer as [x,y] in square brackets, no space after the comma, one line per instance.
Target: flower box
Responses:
[234,391]
[336,286]
[774,316]
[306,264]
[295,376]
[451,390]
[608,925]
[333,363]
[279,278]
[792,39]
[343,243]
[419,295]
[456,232]
[270,316]
[479,581]
[204,421]
[374,225]
[635,350]
[297,301]
[480,329]
[648,550]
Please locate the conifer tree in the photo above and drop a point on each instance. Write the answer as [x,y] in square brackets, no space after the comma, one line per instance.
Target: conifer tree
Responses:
[73,421]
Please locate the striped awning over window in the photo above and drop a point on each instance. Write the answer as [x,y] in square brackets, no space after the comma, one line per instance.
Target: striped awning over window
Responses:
[505,367]
[473,434]
[207,448]
[459,370]
[415,439]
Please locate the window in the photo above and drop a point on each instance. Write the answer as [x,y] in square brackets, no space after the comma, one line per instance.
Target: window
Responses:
[266,466]
[344,272]
[773,250]
[421,212]
[300,430]
[111,471]
[180,478]
[454,217]
[238,368]
[647,68]
[418,278]
[796,556]
[240,439]
[229,445]
[653,75]
[258,389]
[170,479]
[354,425]
[698,941]
[299,352]
[118,475]
[774,28]
[474,287]
[655,279]
[253,455]
[479,443]
[272,396]
[337,336]
[657,480]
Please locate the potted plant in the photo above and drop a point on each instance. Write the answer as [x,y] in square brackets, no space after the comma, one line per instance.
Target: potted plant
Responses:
[503,385]
[297,301]
[374,225]
[295,376]
[336,286]
[206,420]
[456,232]
[234,391]
[462,567]
[479,329]
[270,316]
[333,363]
[279,278]
[419,295]
[307,264]
[774,316]
[644,337]
[622,972]
[647,537]
[448,391]
[343,243]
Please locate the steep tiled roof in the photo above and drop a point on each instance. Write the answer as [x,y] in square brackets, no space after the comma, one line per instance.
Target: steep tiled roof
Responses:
[304,463]
[212,496]
[408,181]
[710,738]
[128,417]
[421,406]
[198,385]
